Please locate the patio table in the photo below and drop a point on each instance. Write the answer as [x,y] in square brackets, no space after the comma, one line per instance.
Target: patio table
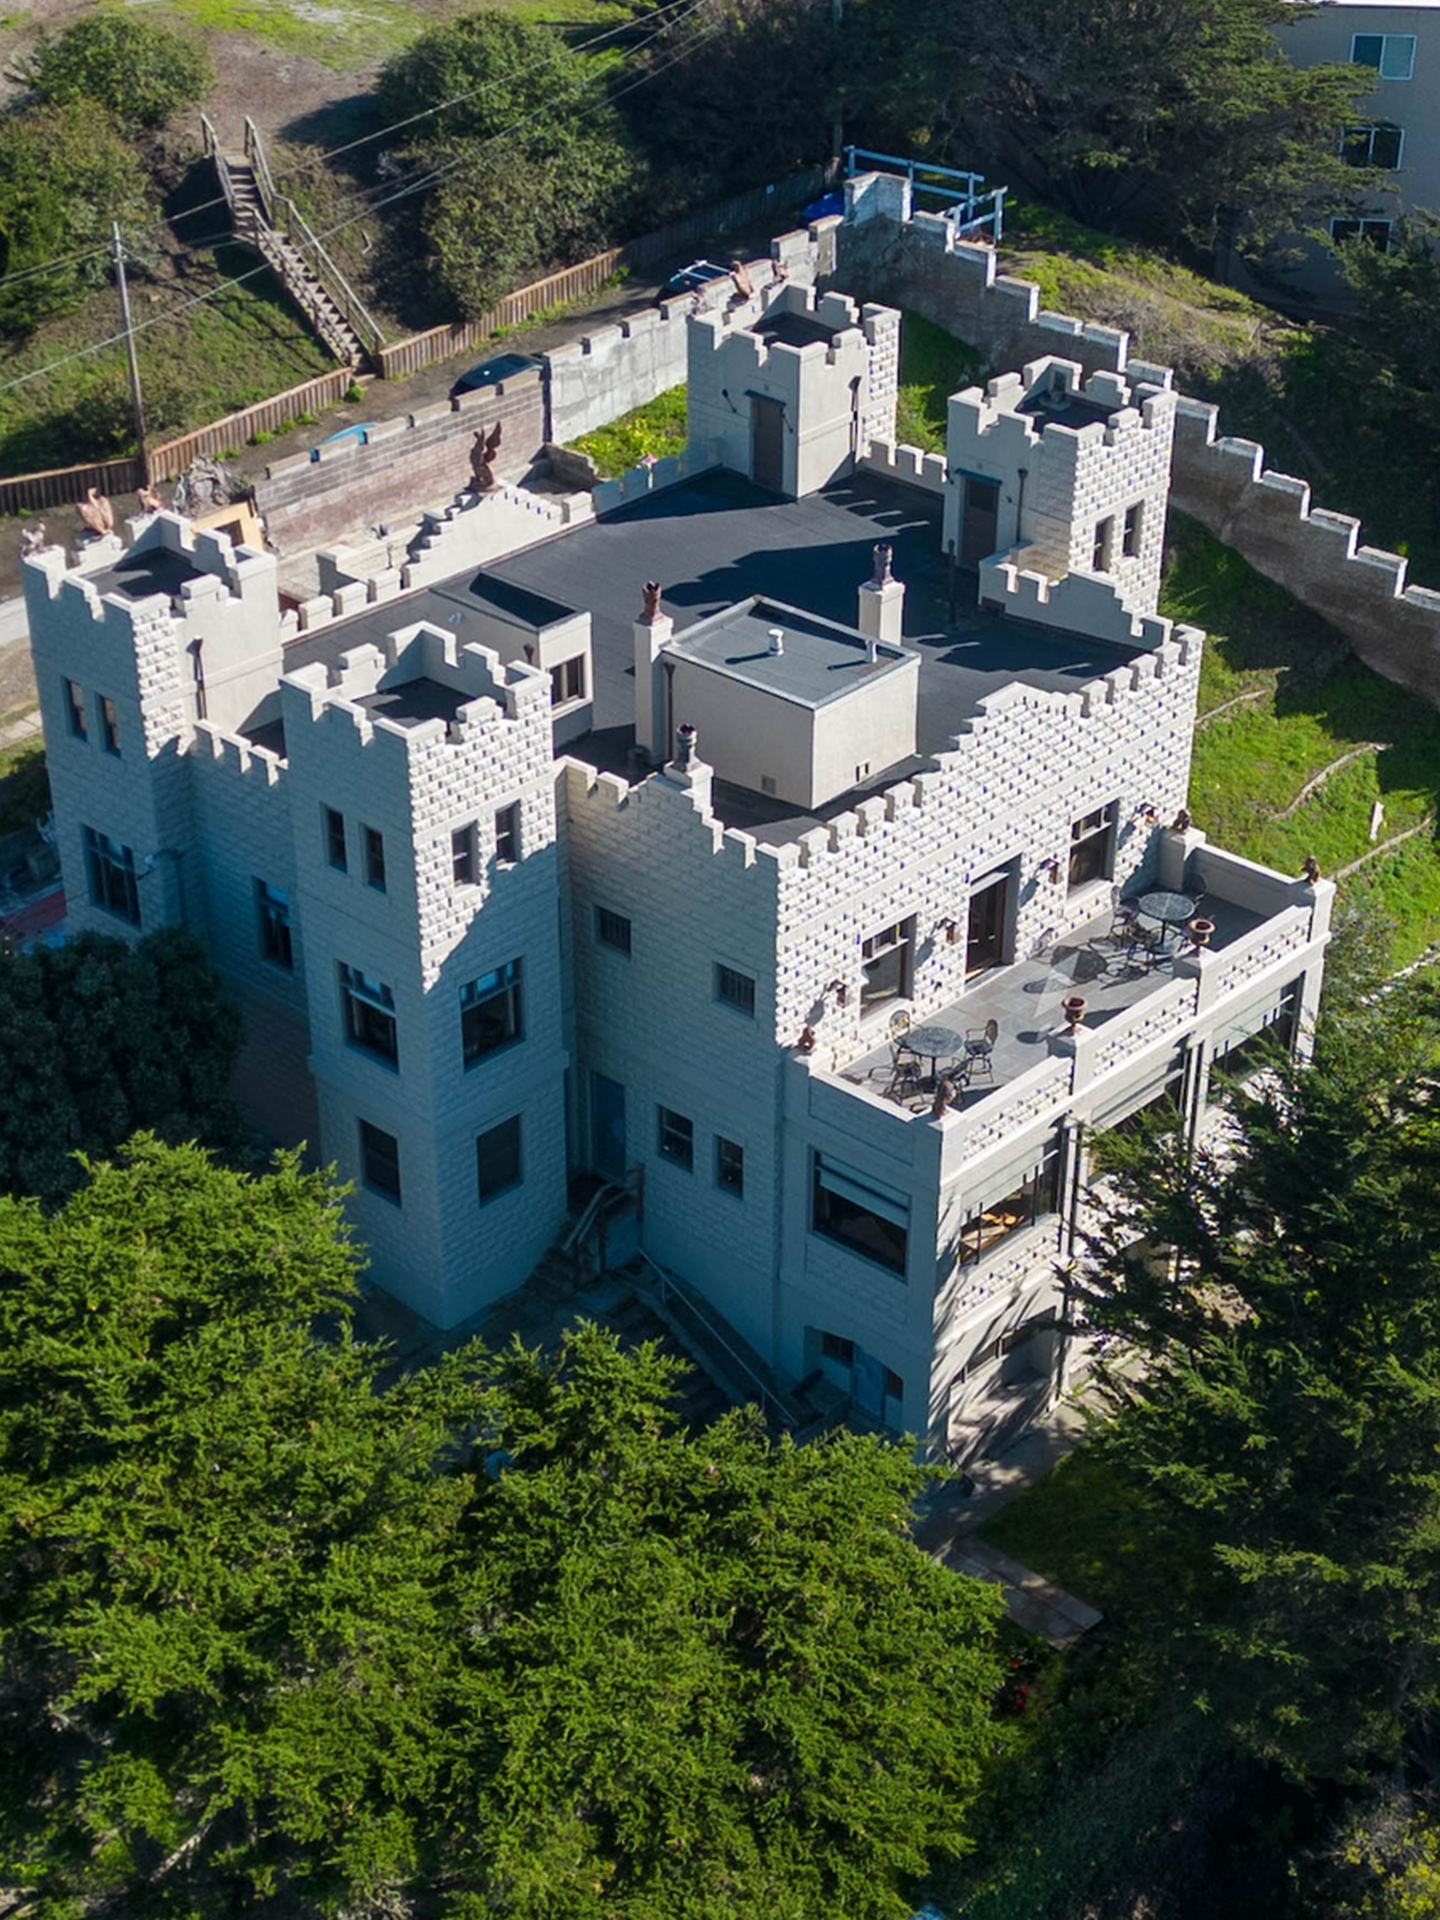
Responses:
[1168,910]
[932,1042]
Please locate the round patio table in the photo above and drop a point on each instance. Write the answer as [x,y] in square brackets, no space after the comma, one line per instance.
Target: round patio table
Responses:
[932,1042]
[1170,909]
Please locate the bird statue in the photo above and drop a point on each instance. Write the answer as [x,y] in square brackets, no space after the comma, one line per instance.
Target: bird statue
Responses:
[482,459]
[150,501]
[744,285]
[97,513]
[32,539]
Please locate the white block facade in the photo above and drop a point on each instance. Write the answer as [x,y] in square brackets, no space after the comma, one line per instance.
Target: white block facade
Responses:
[685,998]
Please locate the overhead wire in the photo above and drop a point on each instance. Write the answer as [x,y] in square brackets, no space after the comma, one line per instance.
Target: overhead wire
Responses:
[380,133]
[414,186]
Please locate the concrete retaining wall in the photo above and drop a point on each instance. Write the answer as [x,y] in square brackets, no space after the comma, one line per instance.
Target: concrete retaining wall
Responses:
[405,464]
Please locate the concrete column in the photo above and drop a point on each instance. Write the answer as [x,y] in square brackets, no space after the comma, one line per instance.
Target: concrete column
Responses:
[652,635]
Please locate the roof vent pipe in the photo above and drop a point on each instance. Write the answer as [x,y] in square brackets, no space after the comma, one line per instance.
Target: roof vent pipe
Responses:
[685,754]
[777,640]
[872,650]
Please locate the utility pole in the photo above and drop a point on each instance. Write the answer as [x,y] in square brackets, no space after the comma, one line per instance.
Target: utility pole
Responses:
[837,15]
[137,402]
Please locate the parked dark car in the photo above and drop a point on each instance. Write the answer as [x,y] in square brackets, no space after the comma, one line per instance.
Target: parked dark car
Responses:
[490,373]
[693,279]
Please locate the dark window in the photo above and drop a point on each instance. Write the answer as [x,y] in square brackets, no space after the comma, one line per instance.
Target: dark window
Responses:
[334,824]
[1130,539]
[887,958]
[1374,144]
[490,1014]
[75,705]
[677,1139]
[729,1166]
[1391,54]
[507,834]
[465,855]
[1030,1201]
[833,1347]
[1092,845]
[567,680]
[380,1161]
[1007,1342]
[109,724]
[374,859]
[274,908]
[1104,546]
[735,989]
[369,1015]
[894,1385]
[871,1219]
[497,1159]
[111,871]
[1375,233]
[612,930]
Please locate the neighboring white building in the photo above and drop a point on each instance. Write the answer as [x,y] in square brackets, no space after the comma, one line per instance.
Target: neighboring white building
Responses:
[519,871]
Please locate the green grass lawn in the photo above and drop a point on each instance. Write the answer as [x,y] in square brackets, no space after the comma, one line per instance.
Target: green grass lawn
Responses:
[933,365]
[357,34]
[243,345]
[24,786]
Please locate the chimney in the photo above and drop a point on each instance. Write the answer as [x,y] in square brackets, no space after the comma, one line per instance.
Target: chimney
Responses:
[652,635]
[688,771]
[882,602]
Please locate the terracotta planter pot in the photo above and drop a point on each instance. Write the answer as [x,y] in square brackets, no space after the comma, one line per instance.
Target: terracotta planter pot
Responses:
[1202,932]
[1074,1010]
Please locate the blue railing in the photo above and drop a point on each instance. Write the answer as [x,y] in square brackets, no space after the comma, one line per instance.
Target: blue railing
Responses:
[957,189]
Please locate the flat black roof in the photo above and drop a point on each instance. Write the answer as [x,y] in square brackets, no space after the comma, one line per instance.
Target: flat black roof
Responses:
[1053,407]
[150,570]
[794,329]
[716,540]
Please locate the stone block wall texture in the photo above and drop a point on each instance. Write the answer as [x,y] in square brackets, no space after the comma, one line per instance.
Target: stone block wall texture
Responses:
[405,464]
[884,251]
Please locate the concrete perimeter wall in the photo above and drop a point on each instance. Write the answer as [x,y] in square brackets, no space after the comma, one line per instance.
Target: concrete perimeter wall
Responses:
[405,464]
[913,260]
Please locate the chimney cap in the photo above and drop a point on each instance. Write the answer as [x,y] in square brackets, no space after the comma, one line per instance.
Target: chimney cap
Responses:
[777,640]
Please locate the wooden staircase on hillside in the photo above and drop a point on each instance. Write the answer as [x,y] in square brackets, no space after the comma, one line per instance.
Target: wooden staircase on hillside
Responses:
[272,224]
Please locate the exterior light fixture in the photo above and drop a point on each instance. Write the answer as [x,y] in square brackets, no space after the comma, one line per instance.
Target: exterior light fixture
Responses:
[841,991]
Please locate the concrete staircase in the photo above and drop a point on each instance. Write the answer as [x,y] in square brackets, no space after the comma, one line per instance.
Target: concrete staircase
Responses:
[265,220]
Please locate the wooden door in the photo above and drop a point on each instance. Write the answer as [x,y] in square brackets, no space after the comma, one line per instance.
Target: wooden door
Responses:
[989,914]
[767,444]
[979,520]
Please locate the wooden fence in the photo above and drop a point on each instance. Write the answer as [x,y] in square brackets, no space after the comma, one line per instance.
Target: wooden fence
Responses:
[575,283]
[63,486]
[266,416]
[33,492]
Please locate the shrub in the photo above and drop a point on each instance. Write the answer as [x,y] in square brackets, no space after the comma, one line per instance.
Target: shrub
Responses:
[141,73]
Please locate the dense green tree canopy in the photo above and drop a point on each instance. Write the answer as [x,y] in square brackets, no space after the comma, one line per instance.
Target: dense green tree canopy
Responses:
[65,175]
[277,1629]
[1289,1416]
[141,73]
[100,1038]
[527,166]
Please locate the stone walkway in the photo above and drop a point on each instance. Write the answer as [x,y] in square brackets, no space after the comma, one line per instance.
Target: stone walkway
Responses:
[1032,1602]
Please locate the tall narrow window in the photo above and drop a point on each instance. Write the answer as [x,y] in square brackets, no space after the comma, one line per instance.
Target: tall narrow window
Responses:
[465,856]
[567,681]
[75,709]
[507,834]
[730,1167]
[380,1161]
[274,908]
[887,959]
[1130,540]
[109,724]
[1104,545]
[677,1139]
[375,859]
[111,872]
[491,1013]
[334,825]
[369,1008]
[1092,847]
[497,1159]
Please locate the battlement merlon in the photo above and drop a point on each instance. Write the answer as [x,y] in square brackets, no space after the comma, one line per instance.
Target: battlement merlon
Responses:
[436,687]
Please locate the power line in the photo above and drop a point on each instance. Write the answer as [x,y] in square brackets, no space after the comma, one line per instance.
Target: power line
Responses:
[239,279]
[331,153]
